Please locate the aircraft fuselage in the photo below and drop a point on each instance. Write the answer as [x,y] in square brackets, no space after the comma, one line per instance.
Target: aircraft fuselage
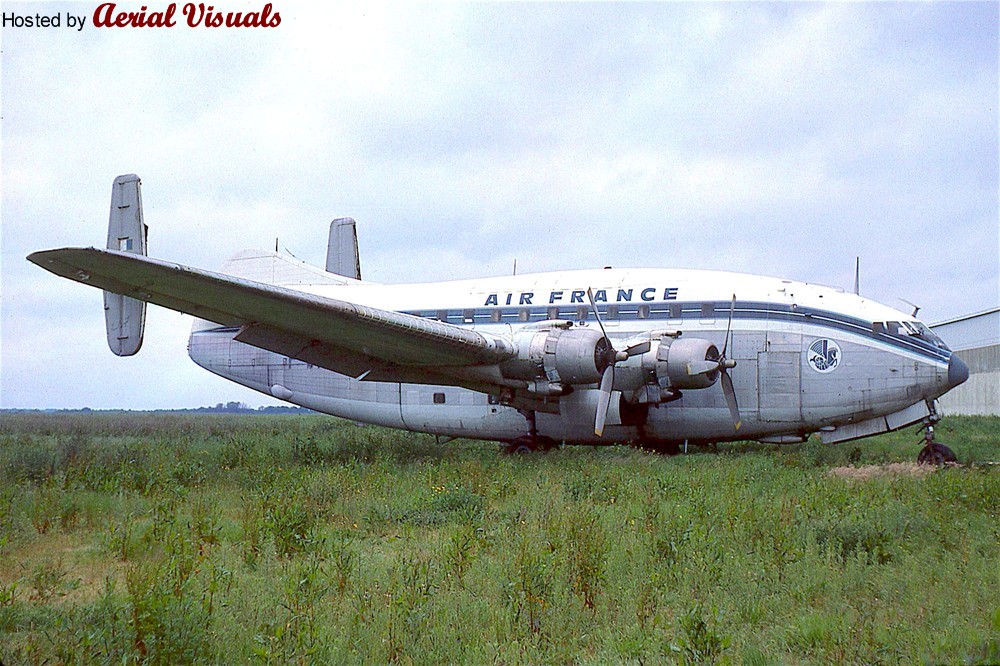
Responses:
[808,358]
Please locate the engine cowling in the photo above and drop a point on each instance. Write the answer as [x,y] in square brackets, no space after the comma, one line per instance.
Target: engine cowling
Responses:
[554,358]
[672,364]
[678,361]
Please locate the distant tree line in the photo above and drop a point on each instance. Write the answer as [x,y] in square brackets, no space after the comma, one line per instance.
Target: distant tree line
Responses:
[232,407]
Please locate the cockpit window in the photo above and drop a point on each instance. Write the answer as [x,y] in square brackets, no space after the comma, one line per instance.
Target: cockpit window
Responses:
[928,335]
[913,329]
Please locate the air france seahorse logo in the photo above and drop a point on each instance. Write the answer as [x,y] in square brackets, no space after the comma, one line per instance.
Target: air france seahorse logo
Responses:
[824,355]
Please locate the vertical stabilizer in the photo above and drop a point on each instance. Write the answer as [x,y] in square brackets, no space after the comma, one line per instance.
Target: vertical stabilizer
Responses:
[125,317]
[342,252]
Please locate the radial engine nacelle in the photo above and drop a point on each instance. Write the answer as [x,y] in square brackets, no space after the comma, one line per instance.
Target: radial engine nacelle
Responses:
[553,358]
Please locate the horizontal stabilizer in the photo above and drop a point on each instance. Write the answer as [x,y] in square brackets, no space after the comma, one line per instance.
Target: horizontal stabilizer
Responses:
[125,317]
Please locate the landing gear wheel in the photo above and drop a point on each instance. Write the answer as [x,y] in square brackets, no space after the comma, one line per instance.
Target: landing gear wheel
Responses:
[519,447]
[543,443]
[936,453]
[529,444]
[662,448]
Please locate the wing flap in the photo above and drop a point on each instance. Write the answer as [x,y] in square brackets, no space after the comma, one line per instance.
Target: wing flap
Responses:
[340,360]
[373,334]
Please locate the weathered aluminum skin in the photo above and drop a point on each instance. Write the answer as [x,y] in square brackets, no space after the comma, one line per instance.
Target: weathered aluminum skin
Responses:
[342,257]
[780,333]
[125,317]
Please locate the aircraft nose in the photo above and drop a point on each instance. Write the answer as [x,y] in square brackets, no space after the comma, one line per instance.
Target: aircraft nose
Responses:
[958,371]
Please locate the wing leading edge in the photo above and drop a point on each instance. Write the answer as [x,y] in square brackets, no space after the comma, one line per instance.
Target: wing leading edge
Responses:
[346,337]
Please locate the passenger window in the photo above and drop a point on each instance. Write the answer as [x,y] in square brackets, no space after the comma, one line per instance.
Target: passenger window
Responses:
[642,312]
[439,398]
[495,315]
[524,314]
[442,315]
[468,316]
[612,312]
[552,313]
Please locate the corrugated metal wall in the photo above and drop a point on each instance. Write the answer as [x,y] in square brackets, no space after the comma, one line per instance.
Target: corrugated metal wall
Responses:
[981,393]
[976,340]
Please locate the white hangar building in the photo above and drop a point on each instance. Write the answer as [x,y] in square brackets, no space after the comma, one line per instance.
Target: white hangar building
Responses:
[976,340]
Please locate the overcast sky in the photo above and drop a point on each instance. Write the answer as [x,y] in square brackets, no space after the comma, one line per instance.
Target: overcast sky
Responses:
[781,139]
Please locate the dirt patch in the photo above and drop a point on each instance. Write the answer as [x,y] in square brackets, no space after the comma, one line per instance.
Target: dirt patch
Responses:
[893,470]
[57,569]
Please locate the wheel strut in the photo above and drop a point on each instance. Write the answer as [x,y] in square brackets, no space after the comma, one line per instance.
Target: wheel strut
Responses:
[532,441]
[933,453]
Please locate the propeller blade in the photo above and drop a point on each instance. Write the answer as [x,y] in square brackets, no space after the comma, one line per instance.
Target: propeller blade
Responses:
[729,326]
[604,399]
[702,367]
[730,393]
[598,317]
[638,348]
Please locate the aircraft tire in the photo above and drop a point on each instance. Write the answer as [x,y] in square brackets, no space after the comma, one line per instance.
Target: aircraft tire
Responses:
[661,448]
[528,444]
[521,446]
[936,454]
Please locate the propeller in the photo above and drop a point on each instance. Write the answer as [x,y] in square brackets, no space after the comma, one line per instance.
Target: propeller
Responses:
[611,357]
[724,365]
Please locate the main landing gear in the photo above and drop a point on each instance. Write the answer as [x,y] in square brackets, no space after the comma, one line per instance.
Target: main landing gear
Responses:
[532,441]
[934,453]
[530,444]
[662,448]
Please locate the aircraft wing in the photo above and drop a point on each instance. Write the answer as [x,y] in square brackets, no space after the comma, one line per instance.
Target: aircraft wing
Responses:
[339,335]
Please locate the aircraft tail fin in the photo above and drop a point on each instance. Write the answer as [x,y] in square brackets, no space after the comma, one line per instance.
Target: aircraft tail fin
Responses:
[342,251]
[125,317]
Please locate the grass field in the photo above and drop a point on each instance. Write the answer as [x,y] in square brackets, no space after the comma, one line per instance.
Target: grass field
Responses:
[165,538]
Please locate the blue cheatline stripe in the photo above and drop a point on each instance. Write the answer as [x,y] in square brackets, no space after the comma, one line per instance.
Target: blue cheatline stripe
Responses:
[660,310]
[760,311]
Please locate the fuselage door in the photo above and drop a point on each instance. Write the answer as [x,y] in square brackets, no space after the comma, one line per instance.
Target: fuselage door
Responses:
[745,348]
[779,368]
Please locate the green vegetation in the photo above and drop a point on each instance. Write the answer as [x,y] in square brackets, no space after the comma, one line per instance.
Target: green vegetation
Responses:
[155,538]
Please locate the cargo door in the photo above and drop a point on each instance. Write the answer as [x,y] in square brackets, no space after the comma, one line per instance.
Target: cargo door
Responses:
[744,348]
[779,378]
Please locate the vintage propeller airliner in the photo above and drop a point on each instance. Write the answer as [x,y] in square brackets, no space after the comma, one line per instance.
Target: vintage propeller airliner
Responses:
[652,357]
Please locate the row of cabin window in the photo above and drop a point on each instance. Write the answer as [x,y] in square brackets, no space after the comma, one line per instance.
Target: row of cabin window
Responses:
[581,313]
[439,399]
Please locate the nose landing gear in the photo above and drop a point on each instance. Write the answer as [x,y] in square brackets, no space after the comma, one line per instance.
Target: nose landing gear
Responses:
[934,453]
